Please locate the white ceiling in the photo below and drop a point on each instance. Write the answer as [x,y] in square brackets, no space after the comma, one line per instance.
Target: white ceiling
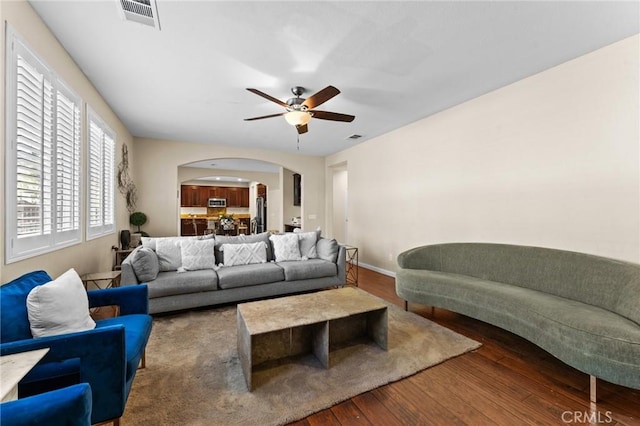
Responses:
[394,61]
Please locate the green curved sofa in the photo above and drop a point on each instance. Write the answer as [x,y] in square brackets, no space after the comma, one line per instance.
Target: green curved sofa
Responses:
[583,309]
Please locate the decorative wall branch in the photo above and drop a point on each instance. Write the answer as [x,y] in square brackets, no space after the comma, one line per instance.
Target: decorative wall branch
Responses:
[125,184]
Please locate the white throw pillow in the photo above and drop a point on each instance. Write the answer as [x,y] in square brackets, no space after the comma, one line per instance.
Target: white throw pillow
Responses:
[59,307]
[197,254]
[286,247]
[308,244]
[244,254]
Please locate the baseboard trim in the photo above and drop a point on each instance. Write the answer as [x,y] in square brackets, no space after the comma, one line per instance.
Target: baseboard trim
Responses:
[379,270]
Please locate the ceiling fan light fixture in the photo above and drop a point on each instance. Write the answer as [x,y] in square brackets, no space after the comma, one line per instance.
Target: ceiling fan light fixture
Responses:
[297,118]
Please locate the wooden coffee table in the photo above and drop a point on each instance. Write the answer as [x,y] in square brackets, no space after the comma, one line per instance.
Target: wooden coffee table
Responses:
[315,323]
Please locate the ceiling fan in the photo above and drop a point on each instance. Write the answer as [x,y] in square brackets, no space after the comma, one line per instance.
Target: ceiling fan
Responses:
[300,110]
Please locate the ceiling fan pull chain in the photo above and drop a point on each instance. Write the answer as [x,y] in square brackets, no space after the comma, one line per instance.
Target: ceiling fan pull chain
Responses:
[298,138]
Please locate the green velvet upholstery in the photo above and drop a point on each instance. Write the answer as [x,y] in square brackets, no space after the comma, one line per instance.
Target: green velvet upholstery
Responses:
[105,357]
[583,309]
[70,406]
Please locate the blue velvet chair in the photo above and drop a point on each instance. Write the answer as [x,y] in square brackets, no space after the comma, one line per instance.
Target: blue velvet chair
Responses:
[70,406]
[106,357]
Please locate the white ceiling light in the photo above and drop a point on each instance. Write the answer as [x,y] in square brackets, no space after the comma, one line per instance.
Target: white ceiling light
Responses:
[297,118]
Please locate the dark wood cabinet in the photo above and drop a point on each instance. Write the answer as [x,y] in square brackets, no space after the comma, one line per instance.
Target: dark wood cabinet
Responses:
[193,196]
[190,227]
[198,196]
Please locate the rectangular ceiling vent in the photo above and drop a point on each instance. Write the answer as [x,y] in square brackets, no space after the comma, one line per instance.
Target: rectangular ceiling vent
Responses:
[141,11]
[354,136]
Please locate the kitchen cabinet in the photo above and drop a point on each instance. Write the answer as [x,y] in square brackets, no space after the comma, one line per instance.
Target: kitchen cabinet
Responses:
[198,196]
[237,197]
[187,227]
[217,192]
[193,196]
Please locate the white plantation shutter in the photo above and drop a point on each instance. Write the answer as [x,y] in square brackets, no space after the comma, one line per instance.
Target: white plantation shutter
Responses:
[43,143]
[101,178]
[68,164]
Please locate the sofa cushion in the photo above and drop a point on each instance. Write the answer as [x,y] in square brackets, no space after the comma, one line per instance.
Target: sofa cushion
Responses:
[59,307]
[137,329]
[240,239]
[247,275]
[307,242]
[286,247]
[197,254]
[145,264]
[307,269]
[151,242]
[172,282]
[14,322]
[169,254]
[244,254]
[328,249]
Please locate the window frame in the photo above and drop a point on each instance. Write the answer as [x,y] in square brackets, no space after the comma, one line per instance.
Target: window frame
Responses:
[20,248]
[105,228]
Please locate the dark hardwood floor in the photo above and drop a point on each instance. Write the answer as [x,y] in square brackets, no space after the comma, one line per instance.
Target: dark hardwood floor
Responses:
[508,381]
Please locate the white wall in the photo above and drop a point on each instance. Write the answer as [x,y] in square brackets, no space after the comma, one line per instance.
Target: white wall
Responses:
[158,182]
[552,161]
[90,256]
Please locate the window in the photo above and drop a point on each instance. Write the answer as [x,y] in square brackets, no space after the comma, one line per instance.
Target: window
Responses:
[43,144]
[100,177]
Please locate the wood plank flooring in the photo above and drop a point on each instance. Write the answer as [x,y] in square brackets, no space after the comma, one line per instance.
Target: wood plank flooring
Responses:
[508,381]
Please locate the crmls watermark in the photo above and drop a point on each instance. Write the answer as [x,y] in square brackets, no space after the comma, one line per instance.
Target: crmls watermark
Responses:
[591,417]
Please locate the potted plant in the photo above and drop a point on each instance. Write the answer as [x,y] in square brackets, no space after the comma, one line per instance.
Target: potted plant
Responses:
[138,219]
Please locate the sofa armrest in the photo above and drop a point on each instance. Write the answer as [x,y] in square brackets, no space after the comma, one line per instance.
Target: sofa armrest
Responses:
[69,406]
[131,300]
[127,275]
[424,257]
[102,356]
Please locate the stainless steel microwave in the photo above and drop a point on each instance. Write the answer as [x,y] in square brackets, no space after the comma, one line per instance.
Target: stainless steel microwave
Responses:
[217,202]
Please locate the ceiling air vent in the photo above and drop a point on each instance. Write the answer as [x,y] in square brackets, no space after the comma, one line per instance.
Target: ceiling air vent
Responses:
[354,137]
[141,11]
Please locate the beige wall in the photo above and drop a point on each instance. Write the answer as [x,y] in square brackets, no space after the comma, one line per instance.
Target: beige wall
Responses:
[552,161]
[90,256]
[157,163]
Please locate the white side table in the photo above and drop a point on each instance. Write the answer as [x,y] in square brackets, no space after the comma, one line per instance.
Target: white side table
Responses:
[14,367]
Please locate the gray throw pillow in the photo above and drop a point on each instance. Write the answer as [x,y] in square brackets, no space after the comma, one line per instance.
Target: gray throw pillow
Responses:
[327,249]
[145,264]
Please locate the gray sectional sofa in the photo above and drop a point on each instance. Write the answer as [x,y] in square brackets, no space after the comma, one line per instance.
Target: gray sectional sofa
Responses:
[172,288]
[583,309]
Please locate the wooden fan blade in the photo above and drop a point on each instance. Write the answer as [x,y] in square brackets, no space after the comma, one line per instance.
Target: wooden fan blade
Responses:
[321,97]
[265,116]
[302,129]
[333,116]
[271,98]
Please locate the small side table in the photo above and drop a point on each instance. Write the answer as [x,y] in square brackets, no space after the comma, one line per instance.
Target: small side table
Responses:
[101,280]
[14,368]
[120,256]
[352,265]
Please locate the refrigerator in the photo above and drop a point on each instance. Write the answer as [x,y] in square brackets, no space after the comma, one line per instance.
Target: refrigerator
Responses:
[261,216]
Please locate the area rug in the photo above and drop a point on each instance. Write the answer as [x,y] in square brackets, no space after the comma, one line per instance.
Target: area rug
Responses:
[193,376]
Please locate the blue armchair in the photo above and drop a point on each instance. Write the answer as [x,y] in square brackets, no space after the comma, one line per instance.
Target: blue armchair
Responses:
[70,406]
[106,357]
